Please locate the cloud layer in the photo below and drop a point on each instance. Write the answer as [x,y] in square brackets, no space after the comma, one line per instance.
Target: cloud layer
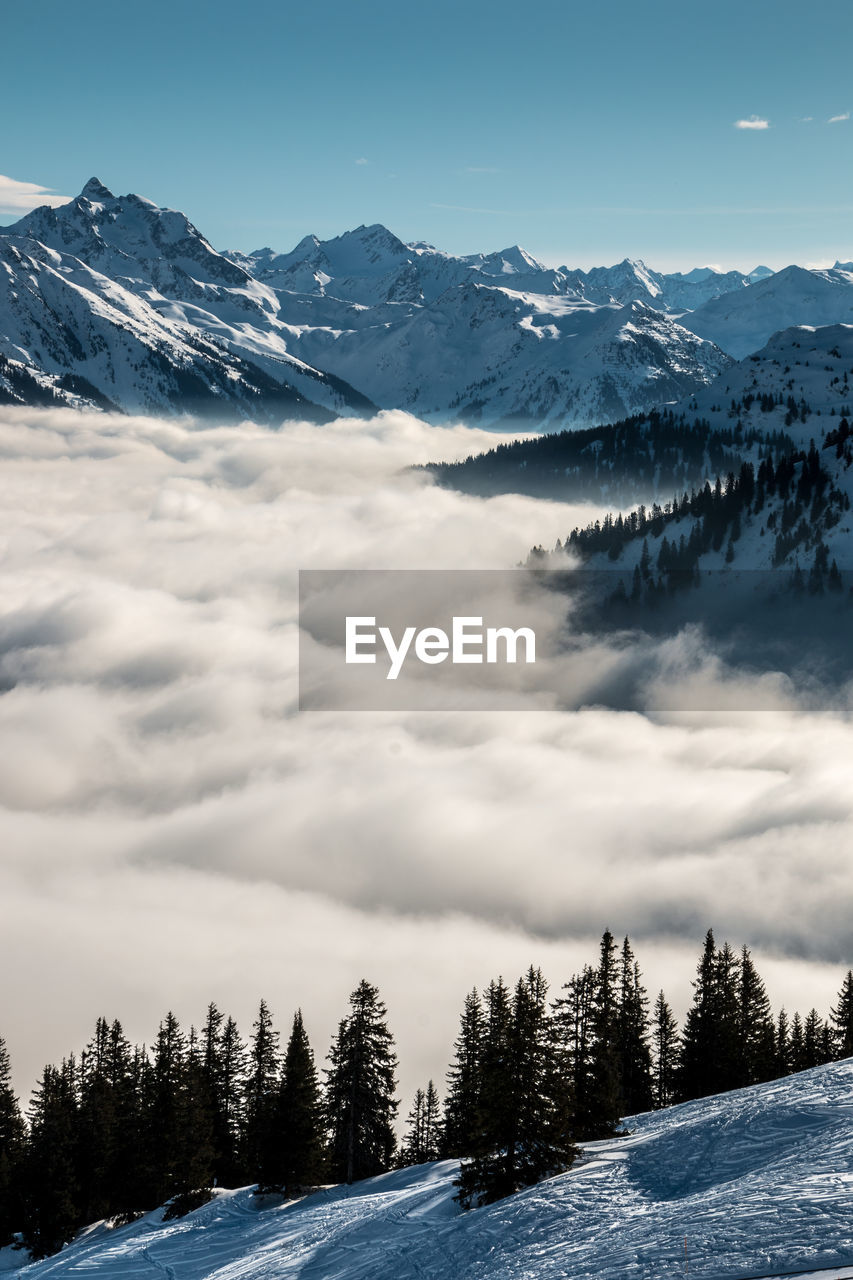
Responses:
[173,831]
[19,197]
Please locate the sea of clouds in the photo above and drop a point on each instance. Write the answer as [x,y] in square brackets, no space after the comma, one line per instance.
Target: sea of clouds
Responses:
[174,831]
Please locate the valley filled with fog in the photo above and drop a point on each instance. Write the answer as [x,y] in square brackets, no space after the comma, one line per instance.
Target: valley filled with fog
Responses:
[163,799]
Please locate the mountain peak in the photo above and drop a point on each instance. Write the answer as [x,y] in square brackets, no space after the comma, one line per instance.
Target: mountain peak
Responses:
[95,190]
[306,245]
[519,259]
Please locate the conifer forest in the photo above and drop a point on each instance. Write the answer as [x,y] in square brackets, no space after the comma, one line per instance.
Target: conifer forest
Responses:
[116,1130]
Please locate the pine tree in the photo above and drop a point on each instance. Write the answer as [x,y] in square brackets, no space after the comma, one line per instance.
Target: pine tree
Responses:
[524,1125]
[797,1051]
[632,1035]
[605,1104]
[710,1058]
[262,1086]
[360,1085]
[231,1171]
[812,1040]
[842,1019]
[411,1148]
[431,1125]
[123,1081]
[573,1036]
[194,1135]
[12,1135]
[543,1143]
[697,1038]
[727,1060]
[210,1084]
[494,1112]
[665,1045]
[95,1127]
[464,1081]
[51,1194]
[297,1158]
[161,1100]
[422,1140]
[756,1034]
[782,1061]
[107,1125]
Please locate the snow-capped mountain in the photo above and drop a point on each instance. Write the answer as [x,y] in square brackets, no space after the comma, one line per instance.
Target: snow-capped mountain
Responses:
[741,322]
[632,279]
[371,265]
[492,338]
[110,300]
[754,1182]
[494,355]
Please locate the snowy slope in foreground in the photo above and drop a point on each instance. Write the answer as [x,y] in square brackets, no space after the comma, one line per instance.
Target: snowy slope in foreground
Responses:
[759,1182]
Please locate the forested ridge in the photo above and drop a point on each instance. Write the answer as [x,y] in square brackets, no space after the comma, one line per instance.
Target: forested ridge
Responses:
[791,497]
[661,452]
[118,1130]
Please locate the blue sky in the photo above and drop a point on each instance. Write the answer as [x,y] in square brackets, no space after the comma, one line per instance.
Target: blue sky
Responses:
[585,132]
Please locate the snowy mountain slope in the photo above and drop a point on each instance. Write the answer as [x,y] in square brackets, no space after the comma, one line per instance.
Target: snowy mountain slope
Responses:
[810,370]
[22,384]
[791,397]
[496,355]
[132,298]
[770,545]
[755,1182]
[64,320]
[743,321]
[810,363]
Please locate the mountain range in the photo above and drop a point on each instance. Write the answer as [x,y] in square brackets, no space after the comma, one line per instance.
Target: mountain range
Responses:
[111,301]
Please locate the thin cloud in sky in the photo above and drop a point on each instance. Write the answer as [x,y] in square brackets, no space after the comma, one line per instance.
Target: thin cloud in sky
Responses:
[754,122]
[464,208]
[20,197]
[481,168]
[845,115]
[637,211]
[362,160]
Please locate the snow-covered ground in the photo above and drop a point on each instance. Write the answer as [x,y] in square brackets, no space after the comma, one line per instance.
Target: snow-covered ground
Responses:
[756,1182]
